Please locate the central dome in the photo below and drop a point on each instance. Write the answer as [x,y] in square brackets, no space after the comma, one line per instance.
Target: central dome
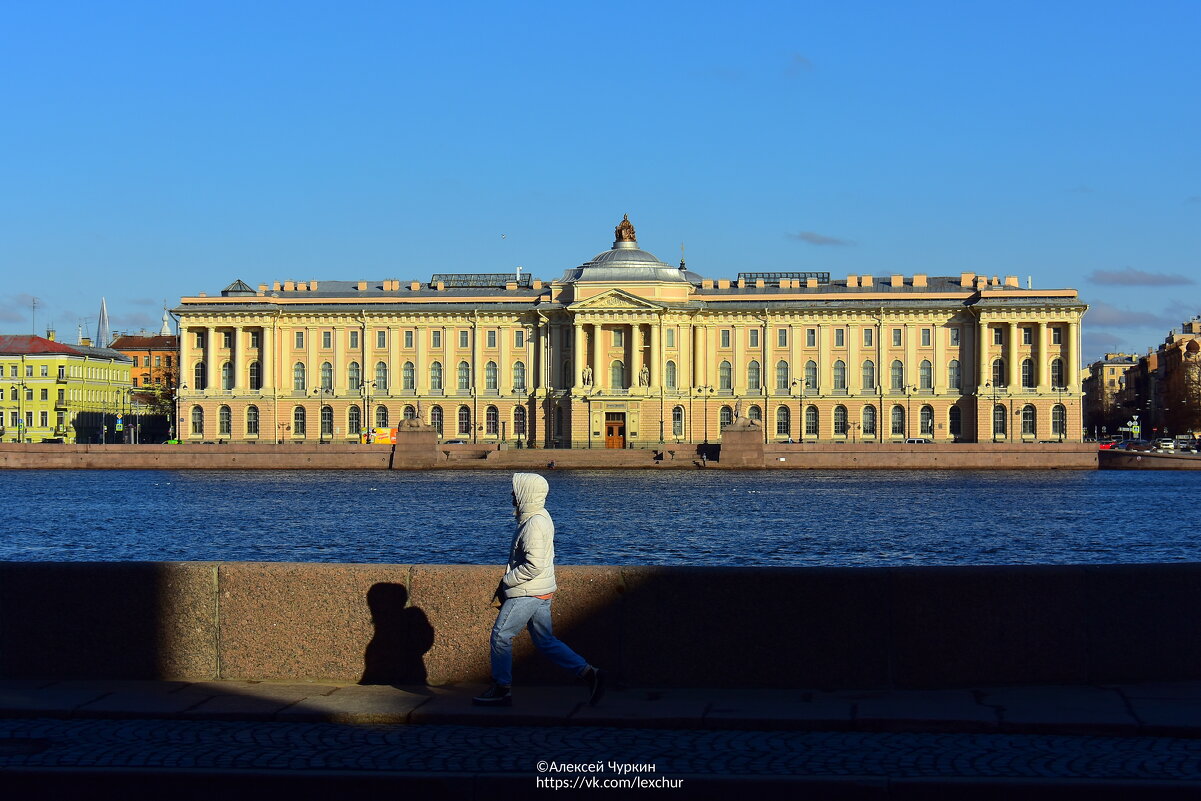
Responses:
[625,261]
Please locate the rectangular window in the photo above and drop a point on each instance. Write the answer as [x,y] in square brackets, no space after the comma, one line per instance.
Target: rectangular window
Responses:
[491,339]
[925,337]
[671,337]
[1027,335]
[954,332]
[725,337]
[998,336]
[136,361]
[436,339]
[408,339]
[519,338]
[327,339]
[781,337]
[62,419]
[1056,336]
[135,380]
[169,360]
[45,371]
[200,339]
[61,394]
[227,339]
[810,337]
[44,419]
[354,340]
[619,339]
[62,371]
[754,337]
[464,338]
[298,338]
[839,338]
[381,339]
[254,339]
[45,394]
[868,337]
[896,337]
[29,371]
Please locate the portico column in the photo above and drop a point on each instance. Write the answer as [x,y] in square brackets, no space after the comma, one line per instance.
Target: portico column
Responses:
[598,371]
[939,361]
[1044,384]
[235,361]
[504,369]
[1015,377]
[711,356]
[982,376]
[698,354]
[656,355]
[825,368]
[341,384]
[212,372]
[635,352]
[1072,379]
[854,369]
[577,351]
[420,371]
[737,373]
[268,373]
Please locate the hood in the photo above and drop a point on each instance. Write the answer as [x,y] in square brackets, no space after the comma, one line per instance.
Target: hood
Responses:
[530,490]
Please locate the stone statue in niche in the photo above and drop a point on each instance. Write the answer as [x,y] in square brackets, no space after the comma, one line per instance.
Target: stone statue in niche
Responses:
[644,376]
[624,232]
[587,375]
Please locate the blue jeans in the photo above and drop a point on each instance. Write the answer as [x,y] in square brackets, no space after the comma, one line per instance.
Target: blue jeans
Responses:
[515,614]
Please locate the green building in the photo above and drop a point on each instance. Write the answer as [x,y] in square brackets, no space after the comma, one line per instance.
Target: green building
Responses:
[53,391]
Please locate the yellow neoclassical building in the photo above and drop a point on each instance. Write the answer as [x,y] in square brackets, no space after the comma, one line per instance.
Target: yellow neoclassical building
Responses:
[627,351]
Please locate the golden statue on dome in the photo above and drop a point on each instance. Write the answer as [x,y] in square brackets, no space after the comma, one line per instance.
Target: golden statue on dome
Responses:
[624,232]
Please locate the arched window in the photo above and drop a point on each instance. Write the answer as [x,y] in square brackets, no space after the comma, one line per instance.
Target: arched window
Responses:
[752,376]
[519,421]
[381,416]
[1027,373]
[999,420]
[1059,421]
[197,421]
[925,375]
[298,422]
[198,377]
[327,421]
[490,377]
[224,421]
[1028,421]
[298,377]
[409,412]
[782,375]
[227,375]
[725,416]
[811,421]
[381,377]
[327,375]
[354,421]
[897,375]
[955,421]
[869,421]
[754,413]
[677,422]
[783,422]
[926,420]
[669,375]
[436,376]
[464,420]
[840,421]
[252,421]
[354,376]
[408,377]
[519,376]
[998,373]
[869,375]
[840,376]
[953,379]
[436,418]
[898,421]
[464,377]
[811,374]
[491,421]
[725,376]
[617,375]
[1057,373]
[256,376]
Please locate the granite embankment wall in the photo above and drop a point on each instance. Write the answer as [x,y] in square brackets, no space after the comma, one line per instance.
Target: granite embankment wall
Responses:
[982,456]
[656,626]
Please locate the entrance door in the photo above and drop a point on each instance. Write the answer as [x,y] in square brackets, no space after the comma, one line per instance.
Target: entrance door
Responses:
[615,430]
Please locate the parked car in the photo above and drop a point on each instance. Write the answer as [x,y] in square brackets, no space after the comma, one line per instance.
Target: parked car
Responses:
[918,441]
[455,442]
[1133,445]
[1106,444]
[1164,444]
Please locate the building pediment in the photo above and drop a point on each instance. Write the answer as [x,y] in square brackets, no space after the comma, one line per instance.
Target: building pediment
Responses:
[615,299]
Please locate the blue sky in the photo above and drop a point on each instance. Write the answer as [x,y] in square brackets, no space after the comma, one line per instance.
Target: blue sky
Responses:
[153,150]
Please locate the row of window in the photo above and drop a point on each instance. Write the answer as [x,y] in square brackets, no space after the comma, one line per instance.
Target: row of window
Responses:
[88,395]
[76,371]
[381,339]
[354,421]
[354,376]
[43,419]
[144,361]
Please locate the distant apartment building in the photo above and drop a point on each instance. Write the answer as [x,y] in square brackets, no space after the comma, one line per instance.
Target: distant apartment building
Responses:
[56,391]
[154,375]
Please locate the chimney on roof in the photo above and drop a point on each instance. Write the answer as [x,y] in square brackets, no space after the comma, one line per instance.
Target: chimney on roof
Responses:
[852,280]
[919,279]
[50,334]
[966,280]
[898,280]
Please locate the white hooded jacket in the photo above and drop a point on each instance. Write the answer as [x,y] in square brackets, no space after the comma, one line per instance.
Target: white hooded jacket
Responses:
[532,554]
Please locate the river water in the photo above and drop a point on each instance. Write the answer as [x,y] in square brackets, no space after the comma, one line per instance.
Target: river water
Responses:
[763,518]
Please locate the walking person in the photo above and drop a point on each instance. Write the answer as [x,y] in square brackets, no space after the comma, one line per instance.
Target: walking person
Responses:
[525,593]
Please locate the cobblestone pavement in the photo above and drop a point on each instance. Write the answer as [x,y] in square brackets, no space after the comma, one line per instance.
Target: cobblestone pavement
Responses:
[237,745]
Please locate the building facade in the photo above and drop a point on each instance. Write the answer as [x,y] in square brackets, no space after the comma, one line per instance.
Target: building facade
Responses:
[627,351]
[154,374]
[56,391]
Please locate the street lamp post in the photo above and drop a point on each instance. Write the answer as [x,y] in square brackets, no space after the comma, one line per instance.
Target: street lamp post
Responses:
[365,390]
[705,392]
[319,393]
[803,384]
[992,410]
[179,411]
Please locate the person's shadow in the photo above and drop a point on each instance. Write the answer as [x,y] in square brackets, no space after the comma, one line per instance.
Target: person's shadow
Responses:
[402,637]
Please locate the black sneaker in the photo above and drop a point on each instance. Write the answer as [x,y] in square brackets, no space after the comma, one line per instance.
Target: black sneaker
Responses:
[496,695]
[596,685]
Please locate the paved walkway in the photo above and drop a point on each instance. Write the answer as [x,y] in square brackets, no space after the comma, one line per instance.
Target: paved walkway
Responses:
[867,744]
